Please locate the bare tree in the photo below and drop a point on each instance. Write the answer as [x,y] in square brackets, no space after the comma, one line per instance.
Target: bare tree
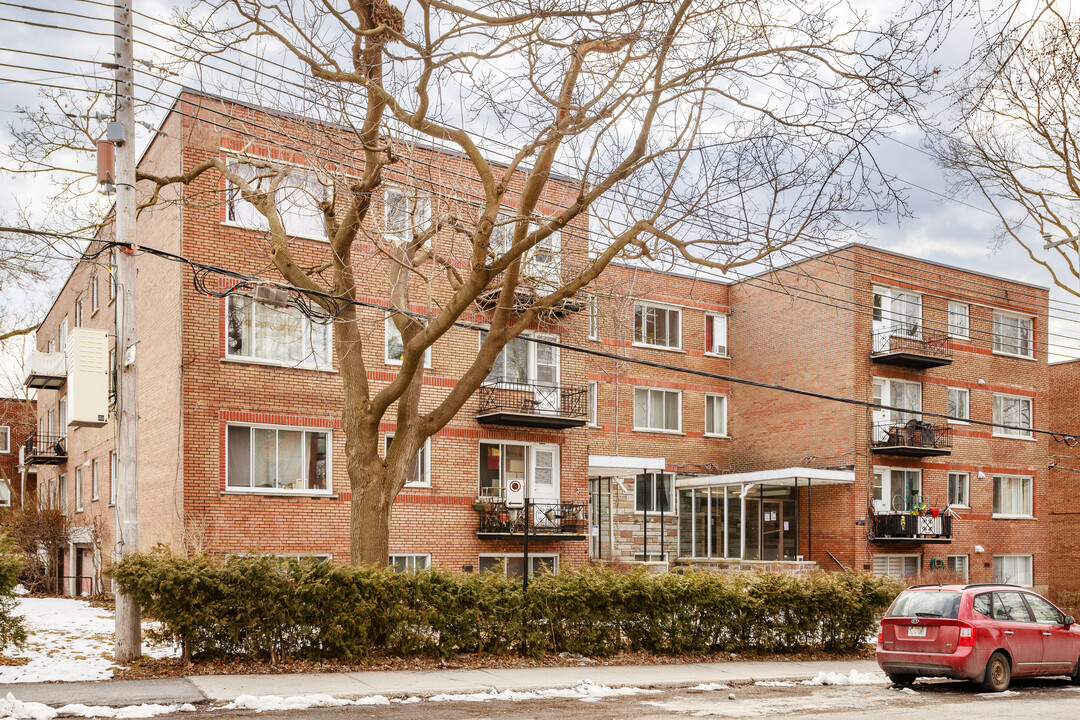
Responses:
[1013,138]
[701,133]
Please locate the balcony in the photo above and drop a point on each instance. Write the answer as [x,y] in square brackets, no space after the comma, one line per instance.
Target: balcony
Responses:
[45,450]
[919,349]
[905,527]
[915,438]
[45,371]
[559,521]
[557,407]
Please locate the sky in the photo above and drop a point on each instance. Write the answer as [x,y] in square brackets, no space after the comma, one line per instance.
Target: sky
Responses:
[958,232]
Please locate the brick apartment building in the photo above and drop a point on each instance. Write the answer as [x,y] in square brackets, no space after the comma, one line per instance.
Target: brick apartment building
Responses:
[17,422]
[1064,477]
[241,446]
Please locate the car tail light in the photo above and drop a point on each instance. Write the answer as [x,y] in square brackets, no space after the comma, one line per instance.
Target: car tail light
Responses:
[967,635]
[881,634]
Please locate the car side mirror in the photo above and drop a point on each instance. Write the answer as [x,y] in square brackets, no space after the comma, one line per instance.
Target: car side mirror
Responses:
[1069,620]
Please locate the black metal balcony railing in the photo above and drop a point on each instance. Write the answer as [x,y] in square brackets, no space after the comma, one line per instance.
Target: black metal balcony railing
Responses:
[532,404]
[917,347]
[45,449]
[905,527]
[915,438]
[562,519]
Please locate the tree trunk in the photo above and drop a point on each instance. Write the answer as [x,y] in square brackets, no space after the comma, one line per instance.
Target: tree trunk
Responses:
[369,534]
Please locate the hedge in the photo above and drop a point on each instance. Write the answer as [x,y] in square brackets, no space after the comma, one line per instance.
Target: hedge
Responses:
[12,630]
[268,607]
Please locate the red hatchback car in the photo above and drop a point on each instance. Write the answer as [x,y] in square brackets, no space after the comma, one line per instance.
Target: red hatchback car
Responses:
[986,633]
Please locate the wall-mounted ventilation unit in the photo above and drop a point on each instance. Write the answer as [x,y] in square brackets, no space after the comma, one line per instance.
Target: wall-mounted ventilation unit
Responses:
[88,377]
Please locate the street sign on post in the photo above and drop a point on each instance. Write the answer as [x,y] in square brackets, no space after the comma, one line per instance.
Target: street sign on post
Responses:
[515,494]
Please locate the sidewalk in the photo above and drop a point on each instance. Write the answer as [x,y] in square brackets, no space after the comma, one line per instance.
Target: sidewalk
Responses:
[226,688]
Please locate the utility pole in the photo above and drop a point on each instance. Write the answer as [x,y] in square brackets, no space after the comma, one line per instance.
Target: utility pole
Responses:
[122,134]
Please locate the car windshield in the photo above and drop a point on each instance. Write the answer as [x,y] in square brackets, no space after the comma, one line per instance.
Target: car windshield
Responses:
[926,603]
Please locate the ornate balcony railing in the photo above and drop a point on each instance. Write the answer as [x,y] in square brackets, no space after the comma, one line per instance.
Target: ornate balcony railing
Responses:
[505,402]
[906,527]
[551,520]
[45,449]
[915,438]
[916,348]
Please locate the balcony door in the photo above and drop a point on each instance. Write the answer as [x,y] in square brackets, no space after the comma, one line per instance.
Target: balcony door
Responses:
[544,483]
[907,396]
[896,314]
[545,368]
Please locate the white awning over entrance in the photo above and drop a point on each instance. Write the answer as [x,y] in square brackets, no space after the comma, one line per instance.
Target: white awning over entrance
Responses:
[790,477]
[623,465]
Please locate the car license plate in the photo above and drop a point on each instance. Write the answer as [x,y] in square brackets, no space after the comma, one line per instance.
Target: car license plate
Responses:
[916,632]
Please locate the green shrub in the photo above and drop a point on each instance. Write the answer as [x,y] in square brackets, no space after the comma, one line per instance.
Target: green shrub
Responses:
[272,608]
[12,630]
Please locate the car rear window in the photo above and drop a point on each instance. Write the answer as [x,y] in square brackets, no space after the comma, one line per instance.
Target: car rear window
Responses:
[926,603]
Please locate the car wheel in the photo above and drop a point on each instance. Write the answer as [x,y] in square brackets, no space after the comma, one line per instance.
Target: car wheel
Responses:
[998,673]
[1075,674]
[901,679]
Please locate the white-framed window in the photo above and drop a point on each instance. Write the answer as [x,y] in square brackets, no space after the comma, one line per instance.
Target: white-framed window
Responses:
[901,394]
[61,414]
[514,565]
[594,389]
[959,565]
[959,320]
[716,415]
[896,313]
[526,362]
[900,567]
[959,401]
[1014,570]
[1013,495]
[958,489]
[594,318]
[395,347]
[94,303]
[297,199]
[536,464]
[1012,416]
[657,326]
[654,492]
[896,489]
[5,493]
[95,481]
[542,263]
[1012,335]
[716,334]
[282,336]
[277,459]
[411,563]
[61,494]
[405,213]
[78,489]
[656,409]
[78,311]
[420,467]
[114,472]
[5,439]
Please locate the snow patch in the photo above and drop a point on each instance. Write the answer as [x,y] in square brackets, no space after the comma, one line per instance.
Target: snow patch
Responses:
[776,683]
[264,703]
[852,678]
[1006,693]
[12,708]
[586,690]
[708,687]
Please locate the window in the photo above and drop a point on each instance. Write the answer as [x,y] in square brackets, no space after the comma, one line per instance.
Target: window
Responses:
[1012,335]
[657,326]
[958,405]
[716,415]
[114,472]
[78,311]
[899,567]
[594,389]
[5,439]
[78,490]
[514,565]
[1012,416]
[896,489]
[277,458]
[594,318]
[410,564]
[897,394]
[1012,495]
[1009,607]
[958,489]
[896,313]
[537,465]
[1013,569]
[279,335]
[395,348]
[95,485]
[297,199]
[1043,611]
[654,492]
[958,564]
[93,293]
[61,494]
[528,363]
[420,468]
[5,493]
[716,334]
[657,410]
[959,321]
[62,417]
[405,214]
[981,604]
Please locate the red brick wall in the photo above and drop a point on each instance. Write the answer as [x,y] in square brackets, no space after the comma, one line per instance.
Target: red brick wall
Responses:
[1063,416]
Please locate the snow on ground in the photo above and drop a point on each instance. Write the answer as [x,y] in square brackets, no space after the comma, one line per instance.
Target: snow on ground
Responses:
[12,708]
[67,640]
[708,687]
[585,690]
[831,678]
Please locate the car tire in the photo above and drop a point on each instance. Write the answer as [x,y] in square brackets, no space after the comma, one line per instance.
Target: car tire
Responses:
[998,673]
[1075,674]
[901,679]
